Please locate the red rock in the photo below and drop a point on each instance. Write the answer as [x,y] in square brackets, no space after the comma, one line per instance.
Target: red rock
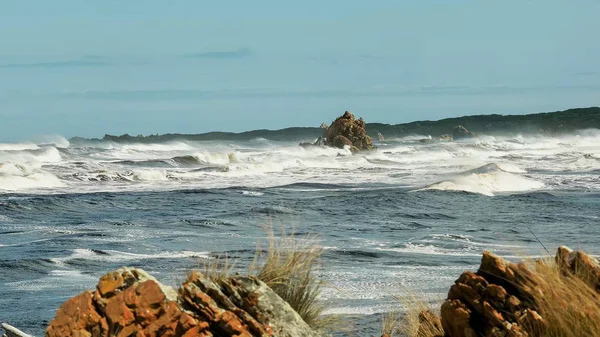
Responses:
[118,314]
[127,303]
[533,321]
[130,303]
[493,317]
[429,324]
[347,131]
[456,319]
[109,284]
[513,304]
[76,317]
[496,295]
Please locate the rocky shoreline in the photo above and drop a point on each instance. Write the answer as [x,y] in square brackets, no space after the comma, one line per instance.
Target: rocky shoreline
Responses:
[500,299]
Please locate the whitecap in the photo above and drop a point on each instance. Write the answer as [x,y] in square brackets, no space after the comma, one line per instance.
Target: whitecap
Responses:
[487,180]
[118,256]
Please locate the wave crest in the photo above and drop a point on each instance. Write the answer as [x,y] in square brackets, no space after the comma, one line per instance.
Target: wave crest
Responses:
[487,180]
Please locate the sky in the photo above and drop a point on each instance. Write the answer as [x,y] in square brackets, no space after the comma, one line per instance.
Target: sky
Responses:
[86,68]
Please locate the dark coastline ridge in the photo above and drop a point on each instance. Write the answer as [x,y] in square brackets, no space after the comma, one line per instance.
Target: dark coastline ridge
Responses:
[558,122]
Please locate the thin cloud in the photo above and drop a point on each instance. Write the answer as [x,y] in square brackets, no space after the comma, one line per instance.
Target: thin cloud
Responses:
[586,73]
[86,62]
[234,54]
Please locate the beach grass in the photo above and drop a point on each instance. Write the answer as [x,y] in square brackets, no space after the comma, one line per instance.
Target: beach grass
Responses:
[568,305]
[288,266]
[409,320]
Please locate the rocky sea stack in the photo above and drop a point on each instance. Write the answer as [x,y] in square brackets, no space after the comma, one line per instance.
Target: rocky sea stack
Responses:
[348,131]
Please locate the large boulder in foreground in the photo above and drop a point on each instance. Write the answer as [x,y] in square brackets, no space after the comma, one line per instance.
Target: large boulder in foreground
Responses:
[131,303]
[126,302]
[348,131]
[502,299]
[496,301]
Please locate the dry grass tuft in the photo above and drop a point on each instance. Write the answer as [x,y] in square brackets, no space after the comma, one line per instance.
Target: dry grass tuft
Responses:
[413,320]
[568,305]
[391,323]
[288,267]
[218,269]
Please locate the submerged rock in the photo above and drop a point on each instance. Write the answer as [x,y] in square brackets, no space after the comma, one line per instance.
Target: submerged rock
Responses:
[129,302]
[348,131]
[446,138]
[318,143]
[461,132]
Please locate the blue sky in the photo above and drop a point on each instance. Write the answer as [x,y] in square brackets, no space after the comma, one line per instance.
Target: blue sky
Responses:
[94,67]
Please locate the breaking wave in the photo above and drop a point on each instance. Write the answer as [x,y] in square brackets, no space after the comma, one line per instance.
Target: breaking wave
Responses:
[486,165]
[487,180]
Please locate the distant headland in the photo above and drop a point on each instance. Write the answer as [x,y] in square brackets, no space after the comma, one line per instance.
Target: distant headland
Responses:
[558,122]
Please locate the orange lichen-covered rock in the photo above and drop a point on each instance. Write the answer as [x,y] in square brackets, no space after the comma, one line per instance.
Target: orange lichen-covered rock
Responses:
[131,303]
[430,324]
[126,303]
[77,317]
[241,306]
[490,301]
[456,318]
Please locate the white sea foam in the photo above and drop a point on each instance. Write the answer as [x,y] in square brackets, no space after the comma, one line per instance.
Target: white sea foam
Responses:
[56,279]
[150,175]
[118,256]
[18,146]
[412,248]
[54,140]
[252,193]
[15,177]
[487,180]
[486,165]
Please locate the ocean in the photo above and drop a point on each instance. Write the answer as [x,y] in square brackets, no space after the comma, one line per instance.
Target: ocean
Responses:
[407,218]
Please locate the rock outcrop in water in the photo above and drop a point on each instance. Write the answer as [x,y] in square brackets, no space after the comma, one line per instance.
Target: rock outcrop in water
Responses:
[499,300]
[348,131]
[129,302]
[460,132]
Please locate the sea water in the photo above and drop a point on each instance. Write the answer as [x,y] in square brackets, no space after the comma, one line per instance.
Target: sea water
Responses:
[407,218]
